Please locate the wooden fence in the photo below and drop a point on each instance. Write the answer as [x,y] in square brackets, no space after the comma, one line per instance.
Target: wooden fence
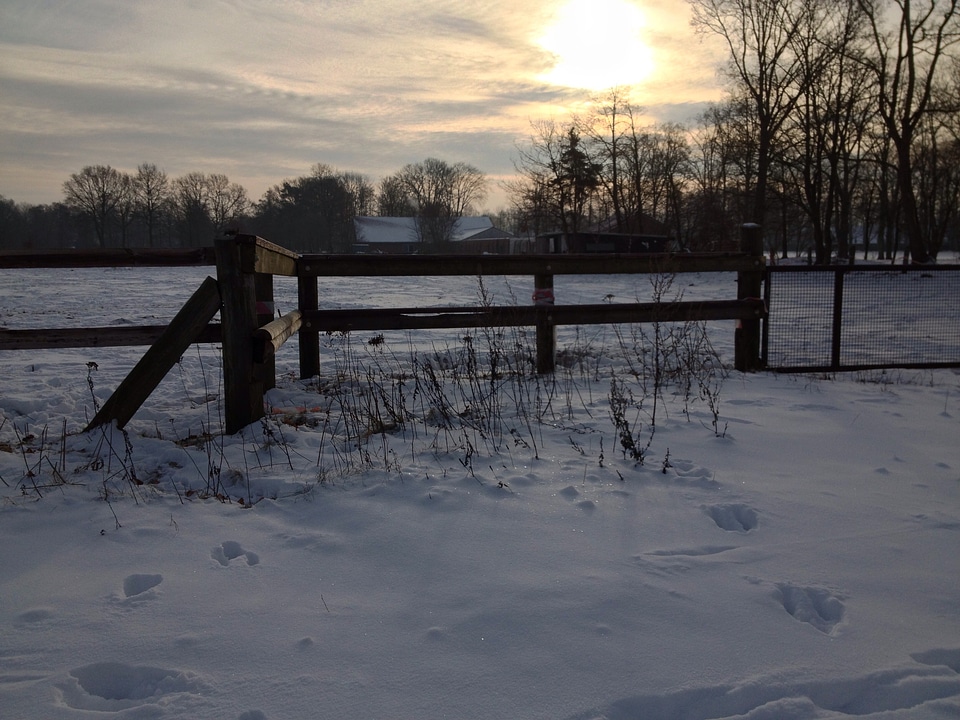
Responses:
[251,335]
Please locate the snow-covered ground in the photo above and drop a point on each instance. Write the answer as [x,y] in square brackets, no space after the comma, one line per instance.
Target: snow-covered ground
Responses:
[797,558]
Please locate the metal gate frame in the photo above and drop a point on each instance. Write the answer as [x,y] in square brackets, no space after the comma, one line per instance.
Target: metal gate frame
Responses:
[861,317]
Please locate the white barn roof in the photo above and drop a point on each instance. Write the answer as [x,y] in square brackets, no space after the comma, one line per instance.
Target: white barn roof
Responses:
[404,229]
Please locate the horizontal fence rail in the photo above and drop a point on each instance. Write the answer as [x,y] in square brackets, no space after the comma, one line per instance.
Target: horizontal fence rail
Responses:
[860,318]
[111,257]
[582,264]
[63,338]
[528,315]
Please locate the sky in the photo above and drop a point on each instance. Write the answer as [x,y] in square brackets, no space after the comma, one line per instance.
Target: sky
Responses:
[262,90]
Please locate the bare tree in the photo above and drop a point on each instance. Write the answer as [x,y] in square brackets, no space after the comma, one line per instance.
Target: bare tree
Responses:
[760,36]
[603,131]
[205,204]
[226,201]
[435,185]
[125,207]
[192,203]
[362,194]
[559,179]
[823,137]
[468,189]
[936,162]
[440,193]
[609,132]
[668,155]
[392,200]
[722,170]
[95,192]
[906,62]
[151,191]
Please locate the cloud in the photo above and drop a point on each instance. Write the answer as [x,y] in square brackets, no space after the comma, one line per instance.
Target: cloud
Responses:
[263,89]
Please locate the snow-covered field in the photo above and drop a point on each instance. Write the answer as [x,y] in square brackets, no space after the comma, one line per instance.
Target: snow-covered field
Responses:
[799,558]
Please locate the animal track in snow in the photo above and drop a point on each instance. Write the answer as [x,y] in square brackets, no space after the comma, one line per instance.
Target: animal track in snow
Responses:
[940,657]
[693,552]
[681,560]
[693,474]
[816,606]
[37,615]
[114,686]
[231,550]
[930,691]
[733,518]
[137,584]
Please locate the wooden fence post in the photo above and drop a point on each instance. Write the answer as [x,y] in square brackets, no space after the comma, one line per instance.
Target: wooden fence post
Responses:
[267,367]
[242,389]
[546,330]
[747,336]
[307,300]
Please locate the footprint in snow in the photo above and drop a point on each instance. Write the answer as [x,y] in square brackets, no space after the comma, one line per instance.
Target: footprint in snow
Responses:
[681,560]
[733,518]
[946,657]
[110,687]
[231,550]
[37,615]
[691,474]
[138,584]
[137,589]
[818,607]
[252,715]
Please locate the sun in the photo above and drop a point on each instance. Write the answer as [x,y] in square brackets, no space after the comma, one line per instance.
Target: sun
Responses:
[597,44]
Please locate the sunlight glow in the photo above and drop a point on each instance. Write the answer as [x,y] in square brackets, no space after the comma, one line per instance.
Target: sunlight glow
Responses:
[597,44]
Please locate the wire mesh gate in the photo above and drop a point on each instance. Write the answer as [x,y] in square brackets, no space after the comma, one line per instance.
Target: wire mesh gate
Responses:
[861,317]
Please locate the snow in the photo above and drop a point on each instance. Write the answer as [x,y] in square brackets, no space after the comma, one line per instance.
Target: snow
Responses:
[800,561]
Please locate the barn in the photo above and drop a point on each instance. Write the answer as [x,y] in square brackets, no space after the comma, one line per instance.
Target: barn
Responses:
[407,236]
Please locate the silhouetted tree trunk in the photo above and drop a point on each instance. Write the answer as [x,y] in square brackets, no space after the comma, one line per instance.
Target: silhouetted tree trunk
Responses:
[905,66]
[760,35]
[151,191]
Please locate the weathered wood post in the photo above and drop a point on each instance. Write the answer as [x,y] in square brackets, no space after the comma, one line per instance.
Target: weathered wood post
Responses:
[246,265]
[242,390]
[263,288]
[307,300]
[546,330]
[749,286]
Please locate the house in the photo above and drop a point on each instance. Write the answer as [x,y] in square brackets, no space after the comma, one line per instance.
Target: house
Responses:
[404,235]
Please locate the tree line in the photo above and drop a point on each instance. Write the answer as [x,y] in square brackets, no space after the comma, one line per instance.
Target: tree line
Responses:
[840,126]
[106,207]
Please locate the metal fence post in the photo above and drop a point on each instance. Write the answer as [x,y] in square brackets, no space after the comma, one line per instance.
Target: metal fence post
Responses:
[837,328]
